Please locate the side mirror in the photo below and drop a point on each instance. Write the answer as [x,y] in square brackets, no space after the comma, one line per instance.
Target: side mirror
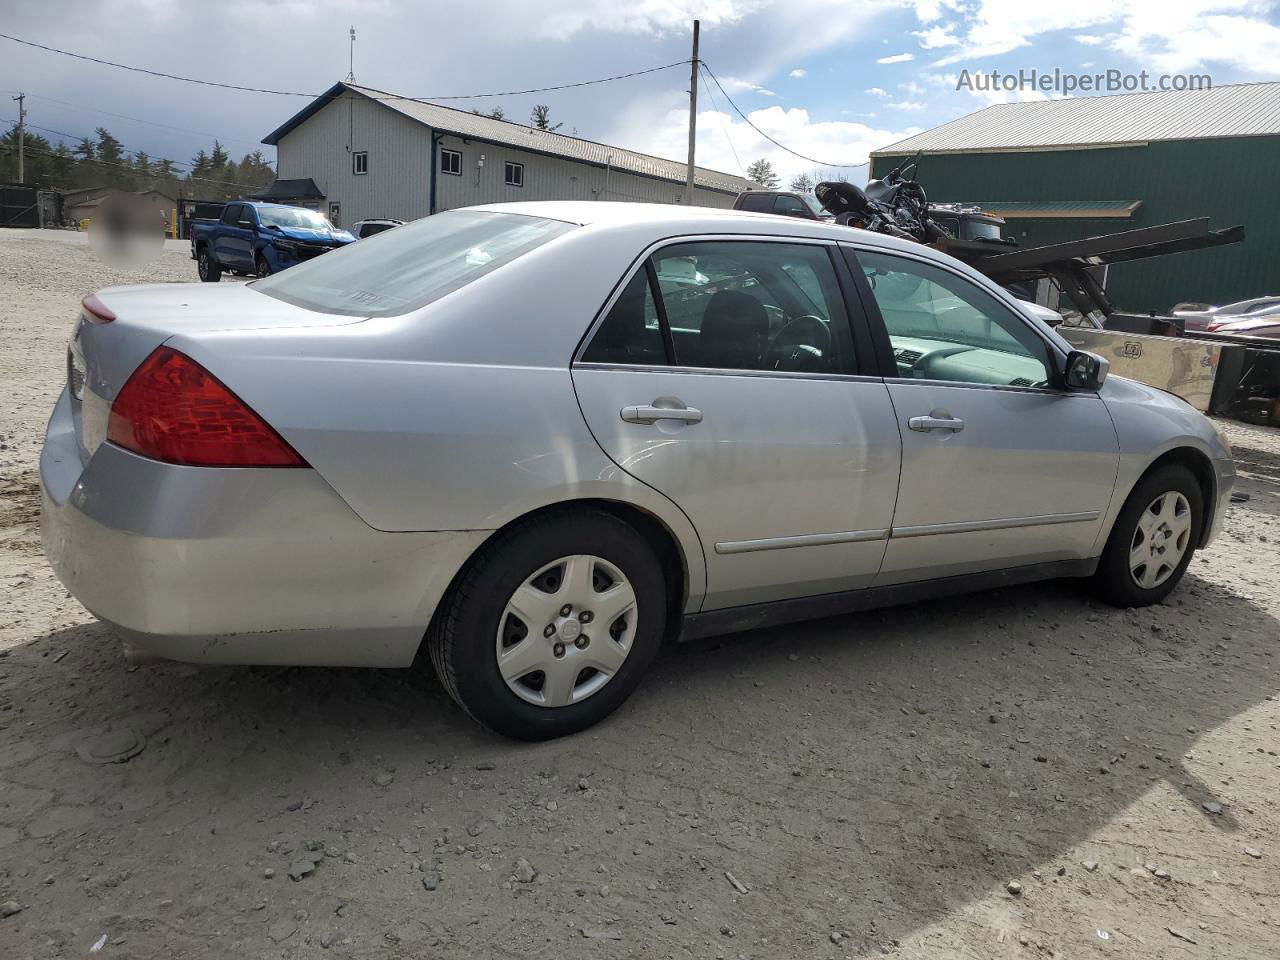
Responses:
[1086,371]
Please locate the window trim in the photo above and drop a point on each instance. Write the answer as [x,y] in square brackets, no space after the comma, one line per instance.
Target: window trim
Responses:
[865,355]
[446,152]
[356,156]
[1055,358]
[506,173]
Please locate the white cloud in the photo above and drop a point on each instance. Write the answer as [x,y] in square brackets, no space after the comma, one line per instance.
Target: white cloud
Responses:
[897,58]
[1160,35]
[906,105]
[877,91]
[735,85]
[912,87]
[799,73]
[929,10]
[828,141]
[936,37]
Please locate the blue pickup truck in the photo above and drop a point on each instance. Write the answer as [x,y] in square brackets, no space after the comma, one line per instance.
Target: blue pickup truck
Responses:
[257,239]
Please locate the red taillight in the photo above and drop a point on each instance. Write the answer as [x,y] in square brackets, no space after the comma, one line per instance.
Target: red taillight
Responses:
[95,311]
[175,410]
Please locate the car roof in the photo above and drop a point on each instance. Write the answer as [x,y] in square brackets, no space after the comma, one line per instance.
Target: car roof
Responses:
[673,220]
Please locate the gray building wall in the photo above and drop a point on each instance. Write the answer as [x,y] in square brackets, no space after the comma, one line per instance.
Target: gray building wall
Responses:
[399,179]
[398,183]
[549,178]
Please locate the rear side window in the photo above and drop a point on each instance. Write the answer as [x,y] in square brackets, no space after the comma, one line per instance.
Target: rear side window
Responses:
[231,213]
[757,203]
[413,265]
[631,333]
[731,305]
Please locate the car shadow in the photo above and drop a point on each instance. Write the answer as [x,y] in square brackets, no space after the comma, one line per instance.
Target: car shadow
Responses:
[911,757]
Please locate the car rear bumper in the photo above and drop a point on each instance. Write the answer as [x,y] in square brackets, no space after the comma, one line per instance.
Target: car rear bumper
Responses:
[265,566]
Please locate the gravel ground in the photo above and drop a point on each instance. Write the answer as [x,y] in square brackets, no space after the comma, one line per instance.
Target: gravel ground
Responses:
[1015,774]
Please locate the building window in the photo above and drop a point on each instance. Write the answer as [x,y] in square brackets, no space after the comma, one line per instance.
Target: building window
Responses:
[451,162]
[360,162]
[515,174]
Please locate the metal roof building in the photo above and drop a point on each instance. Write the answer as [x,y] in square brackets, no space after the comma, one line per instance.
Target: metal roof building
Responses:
[1063,169]
[375,154]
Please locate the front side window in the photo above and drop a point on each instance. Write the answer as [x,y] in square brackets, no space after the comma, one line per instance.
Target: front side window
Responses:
[451,162]
[944,327]
[731,305]
[413,265]
[515,174]
[360,162]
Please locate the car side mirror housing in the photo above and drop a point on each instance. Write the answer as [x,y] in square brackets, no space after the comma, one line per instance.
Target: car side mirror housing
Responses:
[1086,371]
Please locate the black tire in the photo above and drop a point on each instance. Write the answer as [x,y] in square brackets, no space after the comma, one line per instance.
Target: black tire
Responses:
[209,269]
[261,267]
[1114,581]
[463,633]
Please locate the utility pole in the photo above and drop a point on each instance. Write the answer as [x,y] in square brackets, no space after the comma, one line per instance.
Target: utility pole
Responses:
[22,131]
[351,58]
[693,113]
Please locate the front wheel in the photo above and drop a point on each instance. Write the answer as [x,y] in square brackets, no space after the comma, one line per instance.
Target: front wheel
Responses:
[1153,539]
[261,267]
[210,270]
[552,625]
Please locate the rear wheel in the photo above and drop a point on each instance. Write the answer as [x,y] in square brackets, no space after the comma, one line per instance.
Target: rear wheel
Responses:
[209,269]
[1153,539]
[552,626]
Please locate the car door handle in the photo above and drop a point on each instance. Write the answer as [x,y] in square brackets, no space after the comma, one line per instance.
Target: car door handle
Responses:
[652,413]
[925,424]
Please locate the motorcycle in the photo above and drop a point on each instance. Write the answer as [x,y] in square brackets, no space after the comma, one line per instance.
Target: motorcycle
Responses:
[896,205]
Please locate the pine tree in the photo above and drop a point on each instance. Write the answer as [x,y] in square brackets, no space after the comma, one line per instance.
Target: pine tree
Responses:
[541,118]
[761,171]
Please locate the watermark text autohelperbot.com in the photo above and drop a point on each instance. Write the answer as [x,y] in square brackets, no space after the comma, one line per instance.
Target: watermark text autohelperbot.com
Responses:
[1065,83]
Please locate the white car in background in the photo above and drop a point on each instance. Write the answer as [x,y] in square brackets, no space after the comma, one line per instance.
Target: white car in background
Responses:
[1197,317]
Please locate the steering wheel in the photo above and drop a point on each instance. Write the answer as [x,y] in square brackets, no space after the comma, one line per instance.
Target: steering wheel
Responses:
[802,345]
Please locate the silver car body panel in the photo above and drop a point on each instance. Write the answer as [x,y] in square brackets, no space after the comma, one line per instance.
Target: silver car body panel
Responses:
[429,430]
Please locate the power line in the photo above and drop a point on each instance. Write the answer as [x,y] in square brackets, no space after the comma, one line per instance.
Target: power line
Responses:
[153,123]
[298,93]
[725,127]
[123,166]
[124,149]
[747,121]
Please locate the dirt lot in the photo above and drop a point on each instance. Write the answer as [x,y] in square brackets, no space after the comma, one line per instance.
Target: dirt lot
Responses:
[873,783]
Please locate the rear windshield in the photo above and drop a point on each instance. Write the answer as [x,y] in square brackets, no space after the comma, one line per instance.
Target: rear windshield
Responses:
[405,268]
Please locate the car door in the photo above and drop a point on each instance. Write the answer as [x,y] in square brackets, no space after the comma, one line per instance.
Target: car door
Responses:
[228,244]
[1001,466]
[726,374]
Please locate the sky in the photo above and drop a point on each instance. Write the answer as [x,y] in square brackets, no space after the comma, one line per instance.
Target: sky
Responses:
[828,79]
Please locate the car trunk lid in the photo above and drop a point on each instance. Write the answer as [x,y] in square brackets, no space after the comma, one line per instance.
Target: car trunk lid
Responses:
[102,355]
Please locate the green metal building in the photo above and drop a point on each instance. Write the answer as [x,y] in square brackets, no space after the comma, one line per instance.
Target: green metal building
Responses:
[1065,169]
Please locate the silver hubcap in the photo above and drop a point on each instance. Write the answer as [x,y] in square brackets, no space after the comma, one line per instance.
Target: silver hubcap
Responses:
[566,631]
[1160,540]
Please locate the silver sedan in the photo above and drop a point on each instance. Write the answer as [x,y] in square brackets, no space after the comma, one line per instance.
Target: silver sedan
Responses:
[534,440]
